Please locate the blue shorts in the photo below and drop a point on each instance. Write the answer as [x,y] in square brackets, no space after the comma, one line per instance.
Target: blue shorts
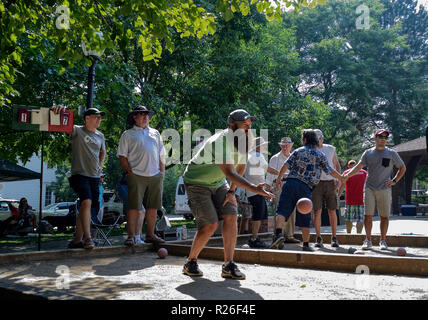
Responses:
[86,188]
[260,211]
[292,191]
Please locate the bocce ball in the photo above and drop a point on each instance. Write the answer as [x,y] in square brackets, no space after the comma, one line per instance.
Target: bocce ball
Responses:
[304,205]
[162,253]
[401,252]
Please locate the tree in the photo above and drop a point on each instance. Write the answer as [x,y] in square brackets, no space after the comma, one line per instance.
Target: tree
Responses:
[62,27]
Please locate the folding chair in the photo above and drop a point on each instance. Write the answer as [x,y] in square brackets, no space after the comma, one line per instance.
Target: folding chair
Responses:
[102,229]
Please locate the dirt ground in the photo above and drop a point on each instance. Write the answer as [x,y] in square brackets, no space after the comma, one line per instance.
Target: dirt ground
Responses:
[146,277]
[143,276]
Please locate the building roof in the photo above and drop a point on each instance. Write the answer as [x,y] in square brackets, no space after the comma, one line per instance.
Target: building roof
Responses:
[419,144]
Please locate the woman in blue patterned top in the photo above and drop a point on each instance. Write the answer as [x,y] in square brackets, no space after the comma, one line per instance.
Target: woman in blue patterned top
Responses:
[305,165]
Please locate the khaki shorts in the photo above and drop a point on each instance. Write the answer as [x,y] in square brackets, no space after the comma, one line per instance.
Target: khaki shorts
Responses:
[325,190]
[207,203]
[377,198]
[145,191]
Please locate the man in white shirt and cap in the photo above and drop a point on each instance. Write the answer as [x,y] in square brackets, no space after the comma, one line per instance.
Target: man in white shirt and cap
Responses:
[255,172]
[275,164]
[142,157]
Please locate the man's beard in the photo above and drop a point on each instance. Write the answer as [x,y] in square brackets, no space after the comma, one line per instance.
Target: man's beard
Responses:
[242,139]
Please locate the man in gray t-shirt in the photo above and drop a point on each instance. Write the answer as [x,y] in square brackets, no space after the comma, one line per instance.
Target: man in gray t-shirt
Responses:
[87,146]
[380,162]
[88,153]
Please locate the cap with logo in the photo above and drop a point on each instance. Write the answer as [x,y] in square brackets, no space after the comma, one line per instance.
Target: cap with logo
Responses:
[381,131]
[239,115]
[91,111]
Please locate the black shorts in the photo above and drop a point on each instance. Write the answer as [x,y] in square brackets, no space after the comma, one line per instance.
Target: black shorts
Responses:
[86,188]
[260,211]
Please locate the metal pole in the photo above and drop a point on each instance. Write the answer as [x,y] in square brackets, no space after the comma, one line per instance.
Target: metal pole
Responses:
[41,192]
[91,80]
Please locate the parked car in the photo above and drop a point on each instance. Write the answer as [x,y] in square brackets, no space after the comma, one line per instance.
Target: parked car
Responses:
[181,202]
[57,209]
[8,207]
[60,215]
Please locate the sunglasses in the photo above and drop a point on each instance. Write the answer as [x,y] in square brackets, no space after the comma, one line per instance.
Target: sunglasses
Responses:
[142,113]
[382,137]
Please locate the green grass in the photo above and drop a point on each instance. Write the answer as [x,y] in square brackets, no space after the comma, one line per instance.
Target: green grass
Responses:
[68,235]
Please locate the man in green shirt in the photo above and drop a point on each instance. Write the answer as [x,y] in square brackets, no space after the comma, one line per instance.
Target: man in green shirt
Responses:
[210,197]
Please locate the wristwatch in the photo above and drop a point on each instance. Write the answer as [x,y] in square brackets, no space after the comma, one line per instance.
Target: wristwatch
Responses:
[230,191]
[395,181]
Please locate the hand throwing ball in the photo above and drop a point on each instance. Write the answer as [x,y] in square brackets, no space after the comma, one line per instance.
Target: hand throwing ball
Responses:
[401,252]
[162,253]
[304,205]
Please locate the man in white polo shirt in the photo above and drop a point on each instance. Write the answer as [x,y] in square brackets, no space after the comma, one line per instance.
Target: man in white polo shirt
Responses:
[141,153]
[275,165]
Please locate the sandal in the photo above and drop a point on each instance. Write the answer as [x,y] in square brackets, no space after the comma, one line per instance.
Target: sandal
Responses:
[88,244]
[130,242]
[73,245]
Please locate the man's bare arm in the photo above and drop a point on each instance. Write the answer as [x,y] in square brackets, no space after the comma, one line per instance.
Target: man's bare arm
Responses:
[354,170]
[125,165]
[235,178]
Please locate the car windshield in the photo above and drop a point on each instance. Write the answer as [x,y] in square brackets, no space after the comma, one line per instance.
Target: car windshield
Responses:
[50,206]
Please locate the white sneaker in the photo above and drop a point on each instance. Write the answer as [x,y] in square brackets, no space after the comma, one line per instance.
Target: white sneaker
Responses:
[367,245]
[383,245]
[138,240]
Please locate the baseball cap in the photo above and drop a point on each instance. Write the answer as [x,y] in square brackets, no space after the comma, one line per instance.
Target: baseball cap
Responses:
[239,115]
[351,162]
[319,134]
[380,131]
[92,111]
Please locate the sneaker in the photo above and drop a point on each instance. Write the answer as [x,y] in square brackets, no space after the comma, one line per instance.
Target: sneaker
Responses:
[383,245]
[292,240]
[257,243]
[277,240]
[334,242]
[231,270]
[191,268]
[73,245]
[138,240]
[367,245]
[318,243]
[130,242]
[88,244]
[308,248]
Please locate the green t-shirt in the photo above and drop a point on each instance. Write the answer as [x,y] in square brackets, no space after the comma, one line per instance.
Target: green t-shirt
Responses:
[203,169]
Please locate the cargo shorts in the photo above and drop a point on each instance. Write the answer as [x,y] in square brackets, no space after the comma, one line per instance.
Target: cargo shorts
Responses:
[325,190]
[380,199]
[207,203]
[145,191]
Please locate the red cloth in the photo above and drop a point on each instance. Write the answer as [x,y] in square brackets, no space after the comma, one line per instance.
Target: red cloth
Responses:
[354,195]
